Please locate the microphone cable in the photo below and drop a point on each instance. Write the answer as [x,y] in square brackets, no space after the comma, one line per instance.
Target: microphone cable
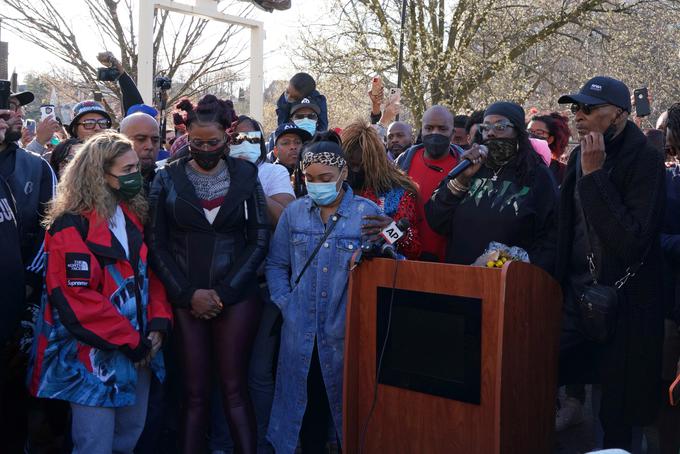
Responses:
[374,402]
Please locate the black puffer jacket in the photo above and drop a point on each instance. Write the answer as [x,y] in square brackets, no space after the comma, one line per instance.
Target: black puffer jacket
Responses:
[188,253]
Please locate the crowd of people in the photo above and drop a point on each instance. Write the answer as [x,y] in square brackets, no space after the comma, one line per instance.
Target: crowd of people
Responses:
[190,296]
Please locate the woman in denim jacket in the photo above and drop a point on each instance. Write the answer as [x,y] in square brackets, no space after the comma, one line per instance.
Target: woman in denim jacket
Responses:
[313,309]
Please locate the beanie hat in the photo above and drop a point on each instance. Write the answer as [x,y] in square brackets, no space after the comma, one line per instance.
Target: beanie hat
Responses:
[510,110]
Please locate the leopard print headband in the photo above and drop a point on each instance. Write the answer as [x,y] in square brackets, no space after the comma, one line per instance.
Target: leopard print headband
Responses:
[325,158]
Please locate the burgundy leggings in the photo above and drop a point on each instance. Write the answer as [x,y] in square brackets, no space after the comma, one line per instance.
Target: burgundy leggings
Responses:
[224,342]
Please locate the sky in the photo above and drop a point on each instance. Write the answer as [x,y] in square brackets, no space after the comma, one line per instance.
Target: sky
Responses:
[281,29]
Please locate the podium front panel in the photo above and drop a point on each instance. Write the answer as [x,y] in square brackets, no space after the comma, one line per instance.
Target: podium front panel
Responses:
[427,419]
[515,372]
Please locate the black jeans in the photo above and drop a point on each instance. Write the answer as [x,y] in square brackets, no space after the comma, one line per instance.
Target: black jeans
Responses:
[314,431]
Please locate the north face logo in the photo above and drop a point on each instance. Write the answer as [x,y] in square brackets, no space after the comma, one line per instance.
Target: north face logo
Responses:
[78,265]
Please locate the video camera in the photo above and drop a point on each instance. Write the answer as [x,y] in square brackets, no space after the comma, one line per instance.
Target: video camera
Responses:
[163,83]
[107,74]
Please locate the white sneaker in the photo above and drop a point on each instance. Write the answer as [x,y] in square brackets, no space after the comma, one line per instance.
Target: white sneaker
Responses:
[571,414]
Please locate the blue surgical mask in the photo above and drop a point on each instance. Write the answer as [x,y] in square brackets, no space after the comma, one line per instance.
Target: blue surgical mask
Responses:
[248,151]
[323,193]
[306,124]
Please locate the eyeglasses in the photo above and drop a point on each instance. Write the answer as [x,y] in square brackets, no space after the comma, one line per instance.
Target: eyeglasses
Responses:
[250,137]
[91,124]
[197,143]
[311,116]
[586,108]
[539,133]
[498,127]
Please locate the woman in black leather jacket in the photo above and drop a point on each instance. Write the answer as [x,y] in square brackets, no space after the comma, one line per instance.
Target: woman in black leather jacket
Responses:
[207,236]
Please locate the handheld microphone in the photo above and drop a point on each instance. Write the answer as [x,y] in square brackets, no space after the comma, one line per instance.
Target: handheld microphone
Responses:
[465,163]
[384,245]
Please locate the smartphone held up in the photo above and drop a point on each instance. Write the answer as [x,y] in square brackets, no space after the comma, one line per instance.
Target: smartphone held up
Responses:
[643,107]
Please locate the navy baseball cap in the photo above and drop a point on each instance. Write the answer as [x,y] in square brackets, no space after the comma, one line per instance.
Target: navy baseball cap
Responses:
[601,90]
[305,104]
[291,128]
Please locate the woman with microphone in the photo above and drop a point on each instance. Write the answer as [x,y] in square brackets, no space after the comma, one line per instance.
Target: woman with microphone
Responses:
[508,195]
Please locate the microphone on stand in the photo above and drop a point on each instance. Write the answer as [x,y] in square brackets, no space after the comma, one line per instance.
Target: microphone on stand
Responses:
[384,245]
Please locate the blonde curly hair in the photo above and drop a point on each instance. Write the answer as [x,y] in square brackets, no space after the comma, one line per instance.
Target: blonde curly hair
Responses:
[83,187]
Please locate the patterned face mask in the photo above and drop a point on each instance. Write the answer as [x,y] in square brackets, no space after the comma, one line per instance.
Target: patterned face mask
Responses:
[501,151]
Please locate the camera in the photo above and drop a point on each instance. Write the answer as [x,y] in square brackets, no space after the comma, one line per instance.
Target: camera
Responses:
[163,83]
[107,74]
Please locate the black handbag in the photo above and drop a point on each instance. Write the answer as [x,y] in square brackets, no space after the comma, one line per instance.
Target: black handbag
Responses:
[598,305]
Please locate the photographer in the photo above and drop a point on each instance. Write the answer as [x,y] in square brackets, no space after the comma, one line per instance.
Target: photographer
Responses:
[115,72]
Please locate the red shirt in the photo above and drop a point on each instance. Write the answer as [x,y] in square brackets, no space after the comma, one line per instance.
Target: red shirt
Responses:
[426,173]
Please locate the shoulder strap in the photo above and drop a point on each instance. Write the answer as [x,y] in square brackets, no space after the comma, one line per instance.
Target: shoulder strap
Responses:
[590,258]
[329,229]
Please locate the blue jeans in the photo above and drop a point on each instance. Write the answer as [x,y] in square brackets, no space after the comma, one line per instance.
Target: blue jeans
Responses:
[260,385]
[101,430]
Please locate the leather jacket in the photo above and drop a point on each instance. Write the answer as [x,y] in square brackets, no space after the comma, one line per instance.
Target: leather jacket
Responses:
[188,253]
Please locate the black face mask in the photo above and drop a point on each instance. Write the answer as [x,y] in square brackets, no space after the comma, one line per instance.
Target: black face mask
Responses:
[608,134]
[356,179]
[501,151]
[207,160]
[436,145]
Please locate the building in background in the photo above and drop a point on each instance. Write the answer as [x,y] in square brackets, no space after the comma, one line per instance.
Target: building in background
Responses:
[4,56]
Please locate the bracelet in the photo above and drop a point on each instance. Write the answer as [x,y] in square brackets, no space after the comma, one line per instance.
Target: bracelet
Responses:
[457,186]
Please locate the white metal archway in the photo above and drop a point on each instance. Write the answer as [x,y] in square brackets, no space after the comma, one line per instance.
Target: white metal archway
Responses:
[206,9]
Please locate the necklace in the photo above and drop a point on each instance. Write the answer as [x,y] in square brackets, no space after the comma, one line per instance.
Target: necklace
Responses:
[496,173]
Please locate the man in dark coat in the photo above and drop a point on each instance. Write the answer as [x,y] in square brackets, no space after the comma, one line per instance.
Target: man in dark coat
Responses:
[612,203]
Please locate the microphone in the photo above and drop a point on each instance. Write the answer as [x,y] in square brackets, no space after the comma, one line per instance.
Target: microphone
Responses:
[384,245]
[465,163]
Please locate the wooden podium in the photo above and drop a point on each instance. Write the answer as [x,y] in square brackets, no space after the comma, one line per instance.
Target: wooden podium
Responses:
[516,373]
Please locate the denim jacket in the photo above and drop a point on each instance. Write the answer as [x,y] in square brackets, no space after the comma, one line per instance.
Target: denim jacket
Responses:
[314,309]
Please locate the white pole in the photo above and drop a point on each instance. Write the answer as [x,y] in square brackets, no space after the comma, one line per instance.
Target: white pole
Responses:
[257,72]
[145,57]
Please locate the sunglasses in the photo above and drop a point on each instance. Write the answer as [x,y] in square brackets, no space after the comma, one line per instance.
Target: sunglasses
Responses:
[250,137]
[205,144]
[91,124]
[498,127]
[311,116]
[586,108]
